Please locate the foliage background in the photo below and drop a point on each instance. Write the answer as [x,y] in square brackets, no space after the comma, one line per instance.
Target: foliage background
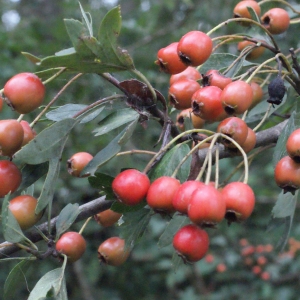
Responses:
[37,27]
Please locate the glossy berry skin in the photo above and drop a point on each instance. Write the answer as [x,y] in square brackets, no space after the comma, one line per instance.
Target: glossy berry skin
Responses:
[10,177]
[191,243]
[293,145]
[197,122]
[240,201]
[194,48]
[78,162]
[25,91]
[215,78]
[241,9]
[206,103]
[11,137]
[188,73]
[234,128]
[113,252]
[287,174]
[183,195]
[107,217]
[72,244]
[29,133]
[237,97]
[207,206]
[276,20]
[254,53]
[169,61]
[23,208]
[181,92]
[161,193]
[131,186]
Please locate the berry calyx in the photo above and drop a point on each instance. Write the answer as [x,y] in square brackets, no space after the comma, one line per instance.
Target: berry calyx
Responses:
[78,162]
[131,186]
[72,244]
[25,92]
[191,243]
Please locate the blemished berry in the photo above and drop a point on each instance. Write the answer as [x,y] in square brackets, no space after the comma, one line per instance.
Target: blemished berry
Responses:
[276,90]
[191,243]
[131,186]
[25,92]
[276,20]
[194,48]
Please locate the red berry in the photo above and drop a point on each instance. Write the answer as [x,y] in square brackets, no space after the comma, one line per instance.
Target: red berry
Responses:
[240,201]
[25,91]
[1,102]
[23,208]
[276,20]
[250,141]
[78,162]
[207,206]
[183,195]
[10,177]
[191,243]
[234,128]
[220,268]
[254,53]
[72,244]
[11,137]
[206,103]
[161,193]
[131,186]
[194,48]
[181,92]
[215,78]
[187,113]
[241,9]
[293,145]
[188,73]
[257,93]
[237,97]
[107,217]
[169,61]
[113,252]
[29,133]
[287,174]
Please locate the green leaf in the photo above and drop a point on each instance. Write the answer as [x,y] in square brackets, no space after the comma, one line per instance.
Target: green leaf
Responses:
[12,231]
[177,221]
[66,218]
[53,281]
[31,173]
[128,132]
[15,277]
[177,262]
[122,208]
[34,59]
[134,226]
[46,145]
[103,183]
[49,186]
[115,120]
[170,161]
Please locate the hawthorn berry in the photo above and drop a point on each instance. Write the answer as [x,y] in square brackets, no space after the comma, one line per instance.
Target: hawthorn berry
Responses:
[194,48]
[72,244]
[107,217]
[11,137]
[236,97]
[197,122]
[234,128]
[215,78]
[250,141]
[287,174]
[276,90]
[257,93]
[78,162]
[161,192]
[169,61]
[293,145]
[240,201]
[188,73]
[181,92]
[254,53]
[23,208]
[183,195]
[276,20]
[25,92]
[113,251]
[241,10]
[29,133]
[1,102]
[131,186]
[207,206]
[191,243]
[10,177]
